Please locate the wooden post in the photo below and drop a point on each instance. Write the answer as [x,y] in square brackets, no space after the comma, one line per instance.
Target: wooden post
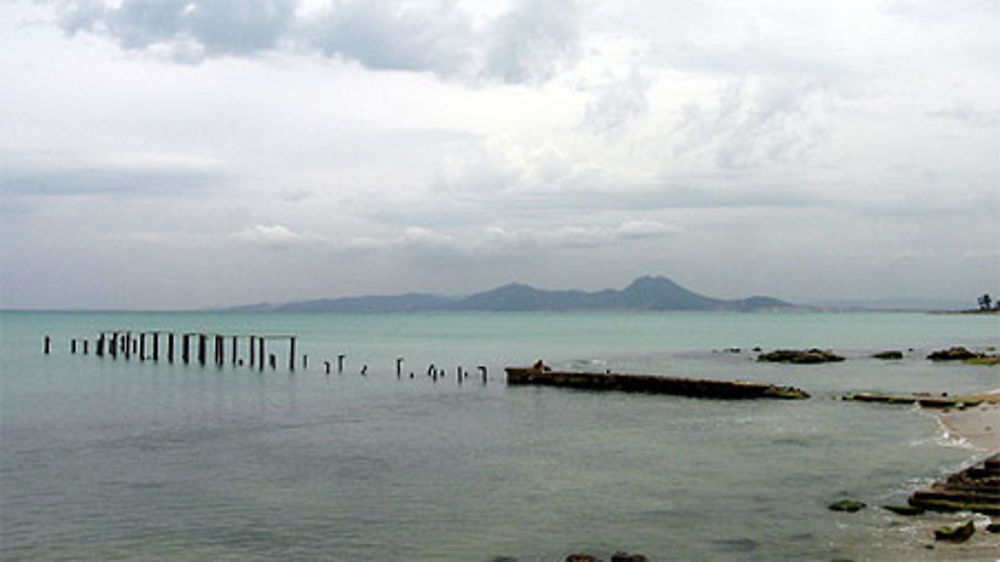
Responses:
[273,361]
[128,345]
[327,363]
[170,347]
[260,354]
[72,345]
[156,346]
[305,362]
[113,345]
[399,367]
[86,346]
[482,369]
[202,344]
[186,348]
[340,363]
[253,341]
[99,347]
[291,353]
[48,345]
[142,346]
[236,348]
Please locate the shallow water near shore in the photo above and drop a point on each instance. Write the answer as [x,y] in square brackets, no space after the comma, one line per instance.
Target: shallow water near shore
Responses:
[115,459]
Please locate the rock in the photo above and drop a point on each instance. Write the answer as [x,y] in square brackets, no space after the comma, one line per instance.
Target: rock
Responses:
[907,510]
[799,356]
[582,557]
[993,528]
[847,505]
[973,489]
[892,354]
[960,533]
[626,557]
[957,353]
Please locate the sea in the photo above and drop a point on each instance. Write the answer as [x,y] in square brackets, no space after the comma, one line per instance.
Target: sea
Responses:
[107,458]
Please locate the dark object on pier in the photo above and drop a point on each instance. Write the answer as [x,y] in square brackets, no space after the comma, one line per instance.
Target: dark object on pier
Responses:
[974,489]
[800,356]
[699,388]
[888,355]
[960,533]
[957,353]
[847,505]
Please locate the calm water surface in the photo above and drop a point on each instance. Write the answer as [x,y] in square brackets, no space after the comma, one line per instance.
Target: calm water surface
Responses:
[128,460]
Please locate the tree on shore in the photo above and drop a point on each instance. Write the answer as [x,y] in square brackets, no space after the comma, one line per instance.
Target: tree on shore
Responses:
[984,302]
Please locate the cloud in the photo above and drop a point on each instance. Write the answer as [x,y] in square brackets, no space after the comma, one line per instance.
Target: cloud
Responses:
[753,122]
[618,103]
[968,115]
[384,35]
[531,41]
[526,44]
[95,181]
[276,237]
[189,30]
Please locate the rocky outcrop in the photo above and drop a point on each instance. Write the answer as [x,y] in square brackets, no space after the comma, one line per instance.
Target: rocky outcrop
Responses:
[799,356]
[582,557]
[960,533]
[698,388]
[888,355]
[848,505]
[957,353]
[974,489]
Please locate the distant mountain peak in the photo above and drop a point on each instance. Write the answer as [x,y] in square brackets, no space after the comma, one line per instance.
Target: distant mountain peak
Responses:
[644,293]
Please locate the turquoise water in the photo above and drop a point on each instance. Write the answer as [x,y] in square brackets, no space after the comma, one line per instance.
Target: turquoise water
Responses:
[130,460]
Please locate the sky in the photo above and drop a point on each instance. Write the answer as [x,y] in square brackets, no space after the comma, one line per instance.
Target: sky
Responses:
[177,154]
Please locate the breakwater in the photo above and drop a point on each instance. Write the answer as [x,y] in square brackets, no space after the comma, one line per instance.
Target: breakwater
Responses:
[699,388]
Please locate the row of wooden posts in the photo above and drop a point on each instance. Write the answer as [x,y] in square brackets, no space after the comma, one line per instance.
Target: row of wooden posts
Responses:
[128,344]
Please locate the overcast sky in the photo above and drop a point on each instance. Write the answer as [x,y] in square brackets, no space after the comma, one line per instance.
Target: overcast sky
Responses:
[179,154]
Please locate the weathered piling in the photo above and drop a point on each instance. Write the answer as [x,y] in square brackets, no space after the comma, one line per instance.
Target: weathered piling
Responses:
[99,345]
[482,369]
[236,349]
[273,361]
[327,364]
[113,345]
[186,348]
[399,367]
[260,351]
[699,388]
[340,363]
[72,345]
[202,349]
[170,347]
[253,350]
[291,353]
[86,346]
[142,346]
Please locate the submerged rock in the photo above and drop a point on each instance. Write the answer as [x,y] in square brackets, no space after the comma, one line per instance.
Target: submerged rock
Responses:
[907,510]
[847,505]
[582,557]
[626,557]
[960,533]
[800,356]
[891,354]
[957,353]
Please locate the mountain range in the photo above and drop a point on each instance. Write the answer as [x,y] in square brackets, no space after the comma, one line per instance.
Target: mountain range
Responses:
[645,293]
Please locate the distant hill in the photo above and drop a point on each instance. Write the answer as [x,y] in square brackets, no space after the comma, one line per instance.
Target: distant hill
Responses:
[645,293]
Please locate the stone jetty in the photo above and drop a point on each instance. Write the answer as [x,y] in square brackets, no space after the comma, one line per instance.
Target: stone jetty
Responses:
[699,388]
[976,488]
